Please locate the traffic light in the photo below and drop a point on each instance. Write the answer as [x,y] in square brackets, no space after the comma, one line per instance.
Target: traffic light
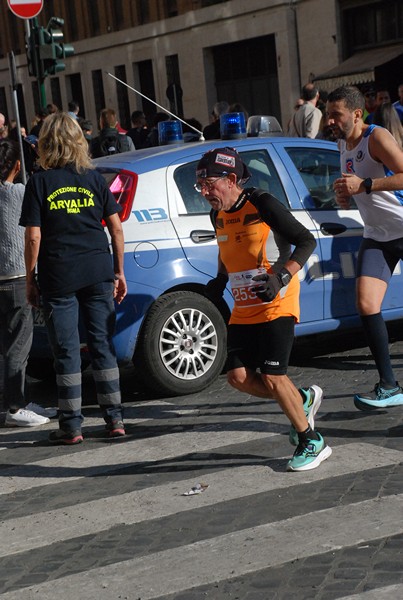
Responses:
[46,50]
[52,50]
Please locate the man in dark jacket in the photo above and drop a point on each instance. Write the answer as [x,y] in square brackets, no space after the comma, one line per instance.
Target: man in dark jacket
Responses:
[109,141]
[138,133]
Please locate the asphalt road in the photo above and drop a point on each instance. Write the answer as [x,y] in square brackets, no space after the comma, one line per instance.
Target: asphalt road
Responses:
[108,519]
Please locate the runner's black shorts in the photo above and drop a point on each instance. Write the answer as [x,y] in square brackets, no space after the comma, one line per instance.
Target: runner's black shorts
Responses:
[264,346]
[379,259]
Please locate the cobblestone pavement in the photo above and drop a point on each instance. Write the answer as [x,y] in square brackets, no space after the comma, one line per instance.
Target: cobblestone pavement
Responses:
[108,519]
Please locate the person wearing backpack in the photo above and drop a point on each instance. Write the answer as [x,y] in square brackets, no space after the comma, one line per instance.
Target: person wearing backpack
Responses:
[109,141]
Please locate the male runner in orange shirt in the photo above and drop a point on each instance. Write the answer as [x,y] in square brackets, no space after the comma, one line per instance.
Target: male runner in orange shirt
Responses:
[255,233]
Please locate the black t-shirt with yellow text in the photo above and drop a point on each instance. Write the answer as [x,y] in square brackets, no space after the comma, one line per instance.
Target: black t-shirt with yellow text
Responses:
[69,208]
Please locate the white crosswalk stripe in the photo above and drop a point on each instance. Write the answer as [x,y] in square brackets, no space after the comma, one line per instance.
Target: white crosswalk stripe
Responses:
[390,592]
[21,534]
[234,554]
[225,556]
[117,456]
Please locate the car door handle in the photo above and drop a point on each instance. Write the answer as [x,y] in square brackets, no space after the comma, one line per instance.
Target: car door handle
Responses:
[199,236]
[332,228]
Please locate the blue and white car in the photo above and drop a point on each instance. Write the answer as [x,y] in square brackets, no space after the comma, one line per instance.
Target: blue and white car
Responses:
[175,335]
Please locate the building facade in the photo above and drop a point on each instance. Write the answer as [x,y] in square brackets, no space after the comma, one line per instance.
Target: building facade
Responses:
[187,54]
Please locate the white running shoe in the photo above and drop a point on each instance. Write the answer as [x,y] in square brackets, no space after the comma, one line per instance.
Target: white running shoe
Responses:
[24,418]
[312,398]
[40,410]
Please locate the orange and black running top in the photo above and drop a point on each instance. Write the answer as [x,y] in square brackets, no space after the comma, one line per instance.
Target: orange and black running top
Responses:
[255,236]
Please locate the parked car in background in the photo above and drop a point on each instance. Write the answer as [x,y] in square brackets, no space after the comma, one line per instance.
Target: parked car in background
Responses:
[176,336]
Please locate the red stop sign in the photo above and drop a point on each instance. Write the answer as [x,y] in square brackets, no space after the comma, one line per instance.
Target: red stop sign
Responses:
[25,9]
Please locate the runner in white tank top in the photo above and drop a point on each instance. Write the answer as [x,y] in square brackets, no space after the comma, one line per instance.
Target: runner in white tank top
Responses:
[372,172]
[382,213]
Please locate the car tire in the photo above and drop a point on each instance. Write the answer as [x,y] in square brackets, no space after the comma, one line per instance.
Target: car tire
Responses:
[183,344]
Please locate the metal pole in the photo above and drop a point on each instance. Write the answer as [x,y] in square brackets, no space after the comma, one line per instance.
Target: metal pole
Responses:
[14,85]
[27,29]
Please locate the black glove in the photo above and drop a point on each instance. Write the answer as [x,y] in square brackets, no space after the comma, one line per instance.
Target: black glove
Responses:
[271,284]
[214,290]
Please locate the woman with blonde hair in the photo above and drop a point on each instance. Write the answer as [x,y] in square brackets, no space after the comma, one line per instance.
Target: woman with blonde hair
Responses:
[63,209]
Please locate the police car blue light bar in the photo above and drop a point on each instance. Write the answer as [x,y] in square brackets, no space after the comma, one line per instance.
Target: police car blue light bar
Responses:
[170,132]
[233,126]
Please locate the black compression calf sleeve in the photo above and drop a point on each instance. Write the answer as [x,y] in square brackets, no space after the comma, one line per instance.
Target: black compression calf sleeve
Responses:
[378,342]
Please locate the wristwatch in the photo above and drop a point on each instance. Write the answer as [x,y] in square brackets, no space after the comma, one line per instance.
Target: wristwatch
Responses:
[367,185]
[285,277]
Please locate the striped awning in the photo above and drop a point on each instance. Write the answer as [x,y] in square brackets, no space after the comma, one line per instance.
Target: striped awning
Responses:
[359,68]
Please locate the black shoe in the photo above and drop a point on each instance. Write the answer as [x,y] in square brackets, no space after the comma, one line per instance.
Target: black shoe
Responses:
[68,438]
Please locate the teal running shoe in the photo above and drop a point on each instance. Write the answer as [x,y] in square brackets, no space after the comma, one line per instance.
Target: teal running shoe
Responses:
[309,455]
[379,398]
[312,398]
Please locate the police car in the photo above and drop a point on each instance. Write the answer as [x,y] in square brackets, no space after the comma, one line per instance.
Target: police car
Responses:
[175,335]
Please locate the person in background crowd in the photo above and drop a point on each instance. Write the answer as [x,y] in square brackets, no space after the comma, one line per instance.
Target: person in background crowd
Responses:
[399,103]
[138,133]
[3,127]
[73,109]
[75,270]
[370,101]
[212,131]
[298,103]
[325,130]
[305,121]
[386,116]
[52,108]
[41,115]
[87,128]
[372,171]
[265,287]
[322,101]
[109,141]
[29,149]
[16,323]
[152,137]
[382,96]
[237,107]
[13,133]
[189,134]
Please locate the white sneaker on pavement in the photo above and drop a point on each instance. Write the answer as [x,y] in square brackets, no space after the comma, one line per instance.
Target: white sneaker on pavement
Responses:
[24,418]
[40,410]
